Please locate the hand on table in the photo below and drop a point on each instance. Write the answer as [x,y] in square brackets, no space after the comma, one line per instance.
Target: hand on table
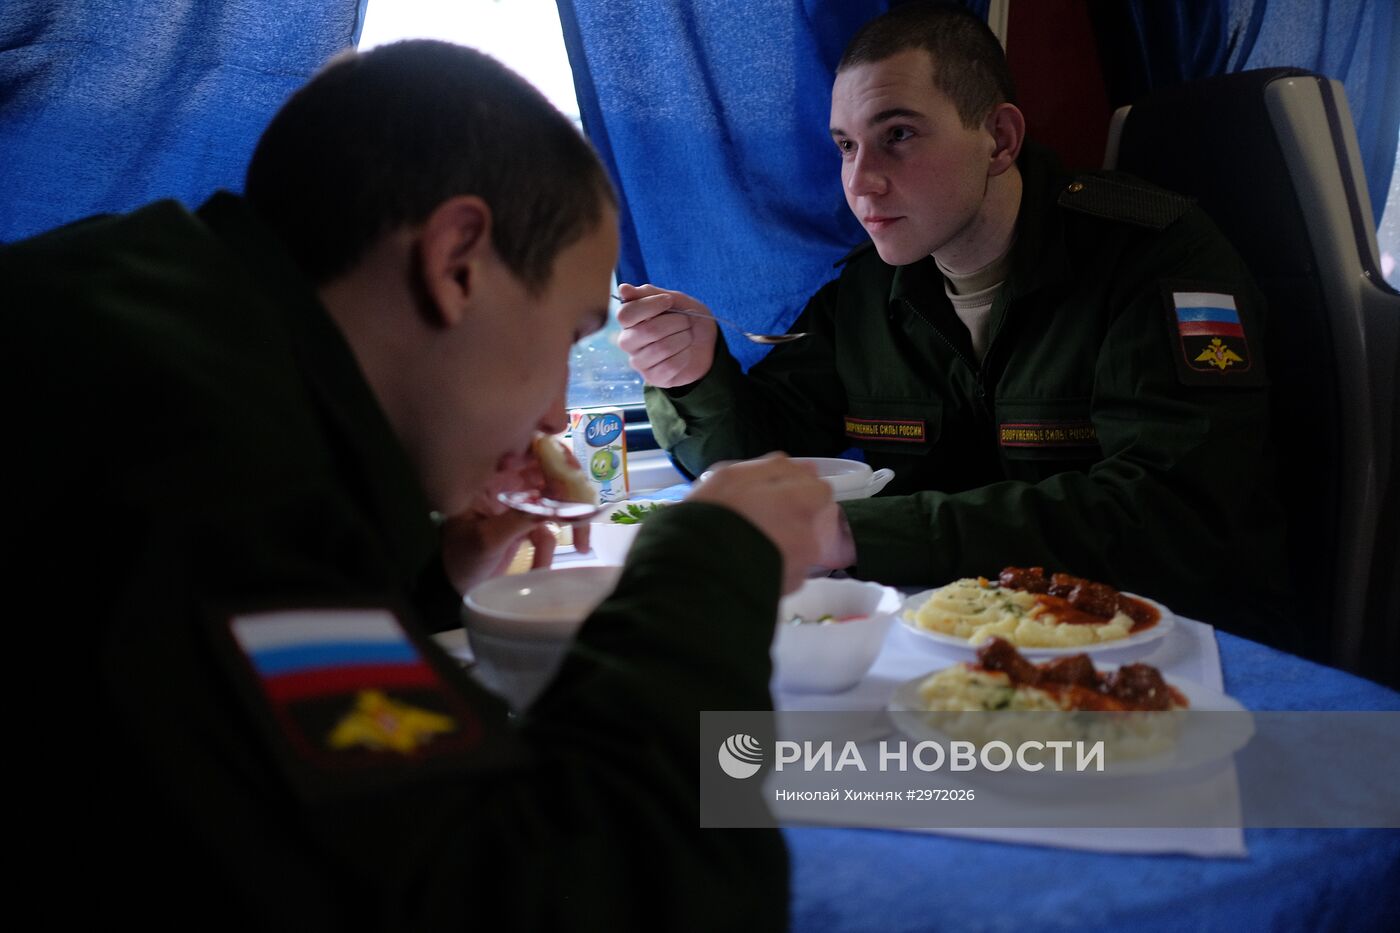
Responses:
[668,350]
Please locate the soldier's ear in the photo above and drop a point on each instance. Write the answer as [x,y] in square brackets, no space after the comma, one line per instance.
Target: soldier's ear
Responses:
[453,244]
[1007,127]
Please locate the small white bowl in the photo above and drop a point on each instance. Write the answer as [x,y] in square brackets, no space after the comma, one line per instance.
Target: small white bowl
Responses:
[833,656]
[849,479]
[520,627]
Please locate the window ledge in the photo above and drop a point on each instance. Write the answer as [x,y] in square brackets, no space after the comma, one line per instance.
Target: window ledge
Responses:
[650,469]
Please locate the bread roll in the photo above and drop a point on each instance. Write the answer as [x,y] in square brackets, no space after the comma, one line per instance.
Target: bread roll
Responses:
[561,471]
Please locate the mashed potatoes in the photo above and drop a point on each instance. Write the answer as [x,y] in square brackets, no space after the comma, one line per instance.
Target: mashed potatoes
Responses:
[959,700]
[962,688]
[976,609]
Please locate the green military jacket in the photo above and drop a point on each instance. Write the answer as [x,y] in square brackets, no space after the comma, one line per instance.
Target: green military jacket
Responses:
[1103,433]
[196,447]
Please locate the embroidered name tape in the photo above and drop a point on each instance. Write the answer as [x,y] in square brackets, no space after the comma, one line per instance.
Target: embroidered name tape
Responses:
[1047,434]
[866,429]
[348,687]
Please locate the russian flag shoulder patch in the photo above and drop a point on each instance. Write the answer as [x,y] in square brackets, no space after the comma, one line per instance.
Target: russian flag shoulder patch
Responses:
[1210,337]
[351,697]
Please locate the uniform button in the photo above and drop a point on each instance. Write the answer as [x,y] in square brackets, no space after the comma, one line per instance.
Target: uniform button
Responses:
[1075,187]
[980,392]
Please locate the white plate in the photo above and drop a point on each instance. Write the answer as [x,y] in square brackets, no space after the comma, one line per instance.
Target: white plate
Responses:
[612,540]
[962,648]
[1203,739]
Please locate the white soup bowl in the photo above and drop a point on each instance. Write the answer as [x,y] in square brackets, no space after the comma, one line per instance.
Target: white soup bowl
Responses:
[520,626]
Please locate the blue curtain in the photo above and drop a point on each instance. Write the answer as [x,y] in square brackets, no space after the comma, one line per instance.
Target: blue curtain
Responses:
[1354,41]
[105,105]
[712,118]
[713,123]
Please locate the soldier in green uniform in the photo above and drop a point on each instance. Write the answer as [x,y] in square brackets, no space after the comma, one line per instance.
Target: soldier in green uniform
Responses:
[1061,371]
[232,427]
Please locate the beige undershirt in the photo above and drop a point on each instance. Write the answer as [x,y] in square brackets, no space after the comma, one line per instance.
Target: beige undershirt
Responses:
[972,296]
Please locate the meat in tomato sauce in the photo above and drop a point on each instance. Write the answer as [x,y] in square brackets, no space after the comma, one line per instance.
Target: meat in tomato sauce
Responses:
[1133,687]
[1076,601]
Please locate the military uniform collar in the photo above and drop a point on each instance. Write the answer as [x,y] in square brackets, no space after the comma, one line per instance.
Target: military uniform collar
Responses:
[916,282]
[1039,258]
[375,463]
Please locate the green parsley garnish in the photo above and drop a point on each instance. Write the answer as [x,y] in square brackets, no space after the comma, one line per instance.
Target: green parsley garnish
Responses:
[635,514]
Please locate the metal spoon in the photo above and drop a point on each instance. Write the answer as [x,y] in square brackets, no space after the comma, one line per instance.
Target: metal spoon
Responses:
[532,503]
[771,339]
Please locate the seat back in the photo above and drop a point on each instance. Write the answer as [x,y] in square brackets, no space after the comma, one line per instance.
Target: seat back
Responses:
[1271,156]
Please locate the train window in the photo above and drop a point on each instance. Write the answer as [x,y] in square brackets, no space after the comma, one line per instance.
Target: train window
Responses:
[1388,236]
[526,36]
